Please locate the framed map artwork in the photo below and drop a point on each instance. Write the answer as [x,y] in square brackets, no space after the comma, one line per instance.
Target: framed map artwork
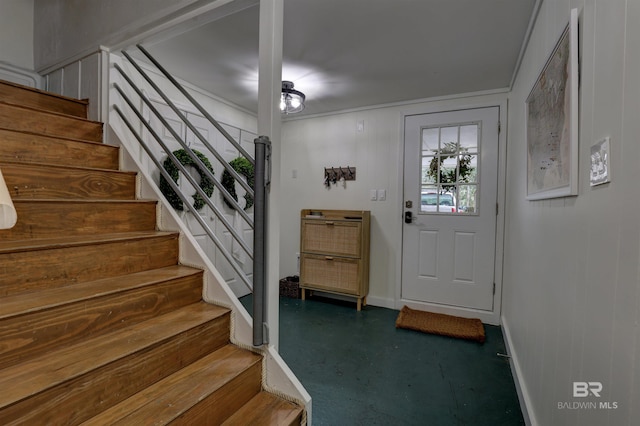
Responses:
[552,122]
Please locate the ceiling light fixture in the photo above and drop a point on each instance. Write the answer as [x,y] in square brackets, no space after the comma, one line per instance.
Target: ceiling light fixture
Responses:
[291,101]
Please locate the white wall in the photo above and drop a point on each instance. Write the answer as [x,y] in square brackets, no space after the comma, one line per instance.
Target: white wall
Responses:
[571,279]
[64,29]
[309,145]
[16,43]
[16,33]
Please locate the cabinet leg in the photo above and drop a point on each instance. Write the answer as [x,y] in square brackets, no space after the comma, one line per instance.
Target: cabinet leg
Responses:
[364,301]
[359,304]
[304,293]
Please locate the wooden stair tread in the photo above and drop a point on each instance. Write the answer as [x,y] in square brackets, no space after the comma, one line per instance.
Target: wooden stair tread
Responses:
[44,136]
[51,369]
[21,304]
[42,92]
[30,265]
[41,98]
[61,317]
[36,180]
[47,112]
[76,241]
[62,167]
[266,409]
[80,201]
[173,396]
[20,117]
[27,147]
[49,218]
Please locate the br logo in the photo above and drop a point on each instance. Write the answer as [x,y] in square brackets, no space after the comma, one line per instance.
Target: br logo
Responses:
[584,389]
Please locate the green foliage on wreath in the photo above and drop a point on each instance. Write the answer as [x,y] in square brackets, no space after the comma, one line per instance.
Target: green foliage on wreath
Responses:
[448,177]
[244,168]
[205,183]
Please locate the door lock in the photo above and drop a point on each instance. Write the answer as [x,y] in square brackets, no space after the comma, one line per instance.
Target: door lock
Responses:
[408,204]
[408,217]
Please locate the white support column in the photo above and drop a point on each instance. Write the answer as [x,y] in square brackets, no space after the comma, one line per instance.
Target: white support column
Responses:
[269,88]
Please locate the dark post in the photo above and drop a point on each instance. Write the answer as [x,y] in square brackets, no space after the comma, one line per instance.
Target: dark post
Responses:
[262,146]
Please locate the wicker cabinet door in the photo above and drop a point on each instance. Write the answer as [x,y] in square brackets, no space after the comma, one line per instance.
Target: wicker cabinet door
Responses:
[341,238]
[336,274]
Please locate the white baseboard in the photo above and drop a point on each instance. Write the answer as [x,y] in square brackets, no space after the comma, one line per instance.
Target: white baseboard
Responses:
[371,301]
[523,395]
[381,302]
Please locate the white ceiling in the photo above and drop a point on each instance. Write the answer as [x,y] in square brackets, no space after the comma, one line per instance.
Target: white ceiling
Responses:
[354,53]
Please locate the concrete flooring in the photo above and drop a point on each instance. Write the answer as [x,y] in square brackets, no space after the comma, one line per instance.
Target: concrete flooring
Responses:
[361,370]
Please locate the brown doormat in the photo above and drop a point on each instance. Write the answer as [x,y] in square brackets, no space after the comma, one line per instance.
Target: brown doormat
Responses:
[444,325]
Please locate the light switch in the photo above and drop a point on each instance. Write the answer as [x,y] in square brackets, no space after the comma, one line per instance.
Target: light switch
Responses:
[373,194]
[382,194]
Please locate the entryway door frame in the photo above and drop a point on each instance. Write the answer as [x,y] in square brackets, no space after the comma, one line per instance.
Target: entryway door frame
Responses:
[493,100]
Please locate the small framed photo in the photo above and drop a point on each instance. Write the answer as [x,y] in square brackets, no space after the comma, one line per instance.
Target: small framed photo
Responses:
[600,171]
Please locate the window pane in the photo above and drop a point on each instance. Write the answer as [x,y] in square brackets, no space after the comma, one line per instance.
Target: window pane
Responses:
[429,176]
[429,199]
[468,199]
[449,138]
[468,166]
[448,171]
[435,199]
[447,201]
[469,138]
[430,141]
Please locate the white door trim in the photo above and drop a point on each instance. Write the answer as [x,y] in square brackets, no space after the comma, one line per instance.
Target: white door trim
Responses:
[489,317]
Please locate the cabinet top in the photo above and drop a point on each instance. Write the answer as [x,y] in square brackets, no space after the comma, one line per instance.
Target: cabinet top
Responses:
[335,214]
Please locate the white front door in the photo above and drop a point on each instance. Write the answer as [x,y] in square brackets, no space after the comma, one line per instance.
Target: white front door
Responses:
[450,195]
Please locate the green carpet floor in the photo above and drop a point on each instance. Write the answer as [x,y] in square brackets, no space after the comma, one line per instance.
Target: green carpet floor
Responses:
[360,370]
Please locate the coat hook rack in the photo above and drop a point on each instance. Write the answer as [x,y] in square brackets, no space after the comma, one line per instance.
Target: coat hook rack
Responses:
[333,175]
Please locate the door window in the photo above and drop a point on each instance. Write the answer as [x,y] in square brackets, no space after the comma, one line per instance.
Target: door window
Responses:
[449,169]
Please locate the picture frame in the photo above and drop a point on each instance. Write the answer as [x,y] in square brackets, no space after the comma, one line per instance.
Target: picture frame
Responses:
[552,121]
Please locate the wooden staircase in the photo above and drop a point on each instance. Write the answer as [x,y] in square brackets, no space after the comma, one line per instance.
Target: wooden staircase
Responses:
[99,324]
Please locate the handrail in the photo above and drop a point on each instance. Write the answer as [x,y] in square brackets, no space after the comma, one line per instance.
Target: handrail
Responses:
[191,127]
[8,215]
[197,105]
[185,172]
[184,199]
[182,143]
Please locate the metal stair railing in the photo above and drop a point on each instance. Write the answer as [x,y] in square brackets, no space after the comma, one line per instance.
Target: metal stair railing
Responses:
[195,131]
[189,152]
[196,104]
[257,253]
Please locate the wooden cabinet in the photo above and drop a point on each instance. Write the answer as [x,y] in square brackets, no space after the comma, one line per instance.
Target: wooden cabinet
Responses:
[334,252]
